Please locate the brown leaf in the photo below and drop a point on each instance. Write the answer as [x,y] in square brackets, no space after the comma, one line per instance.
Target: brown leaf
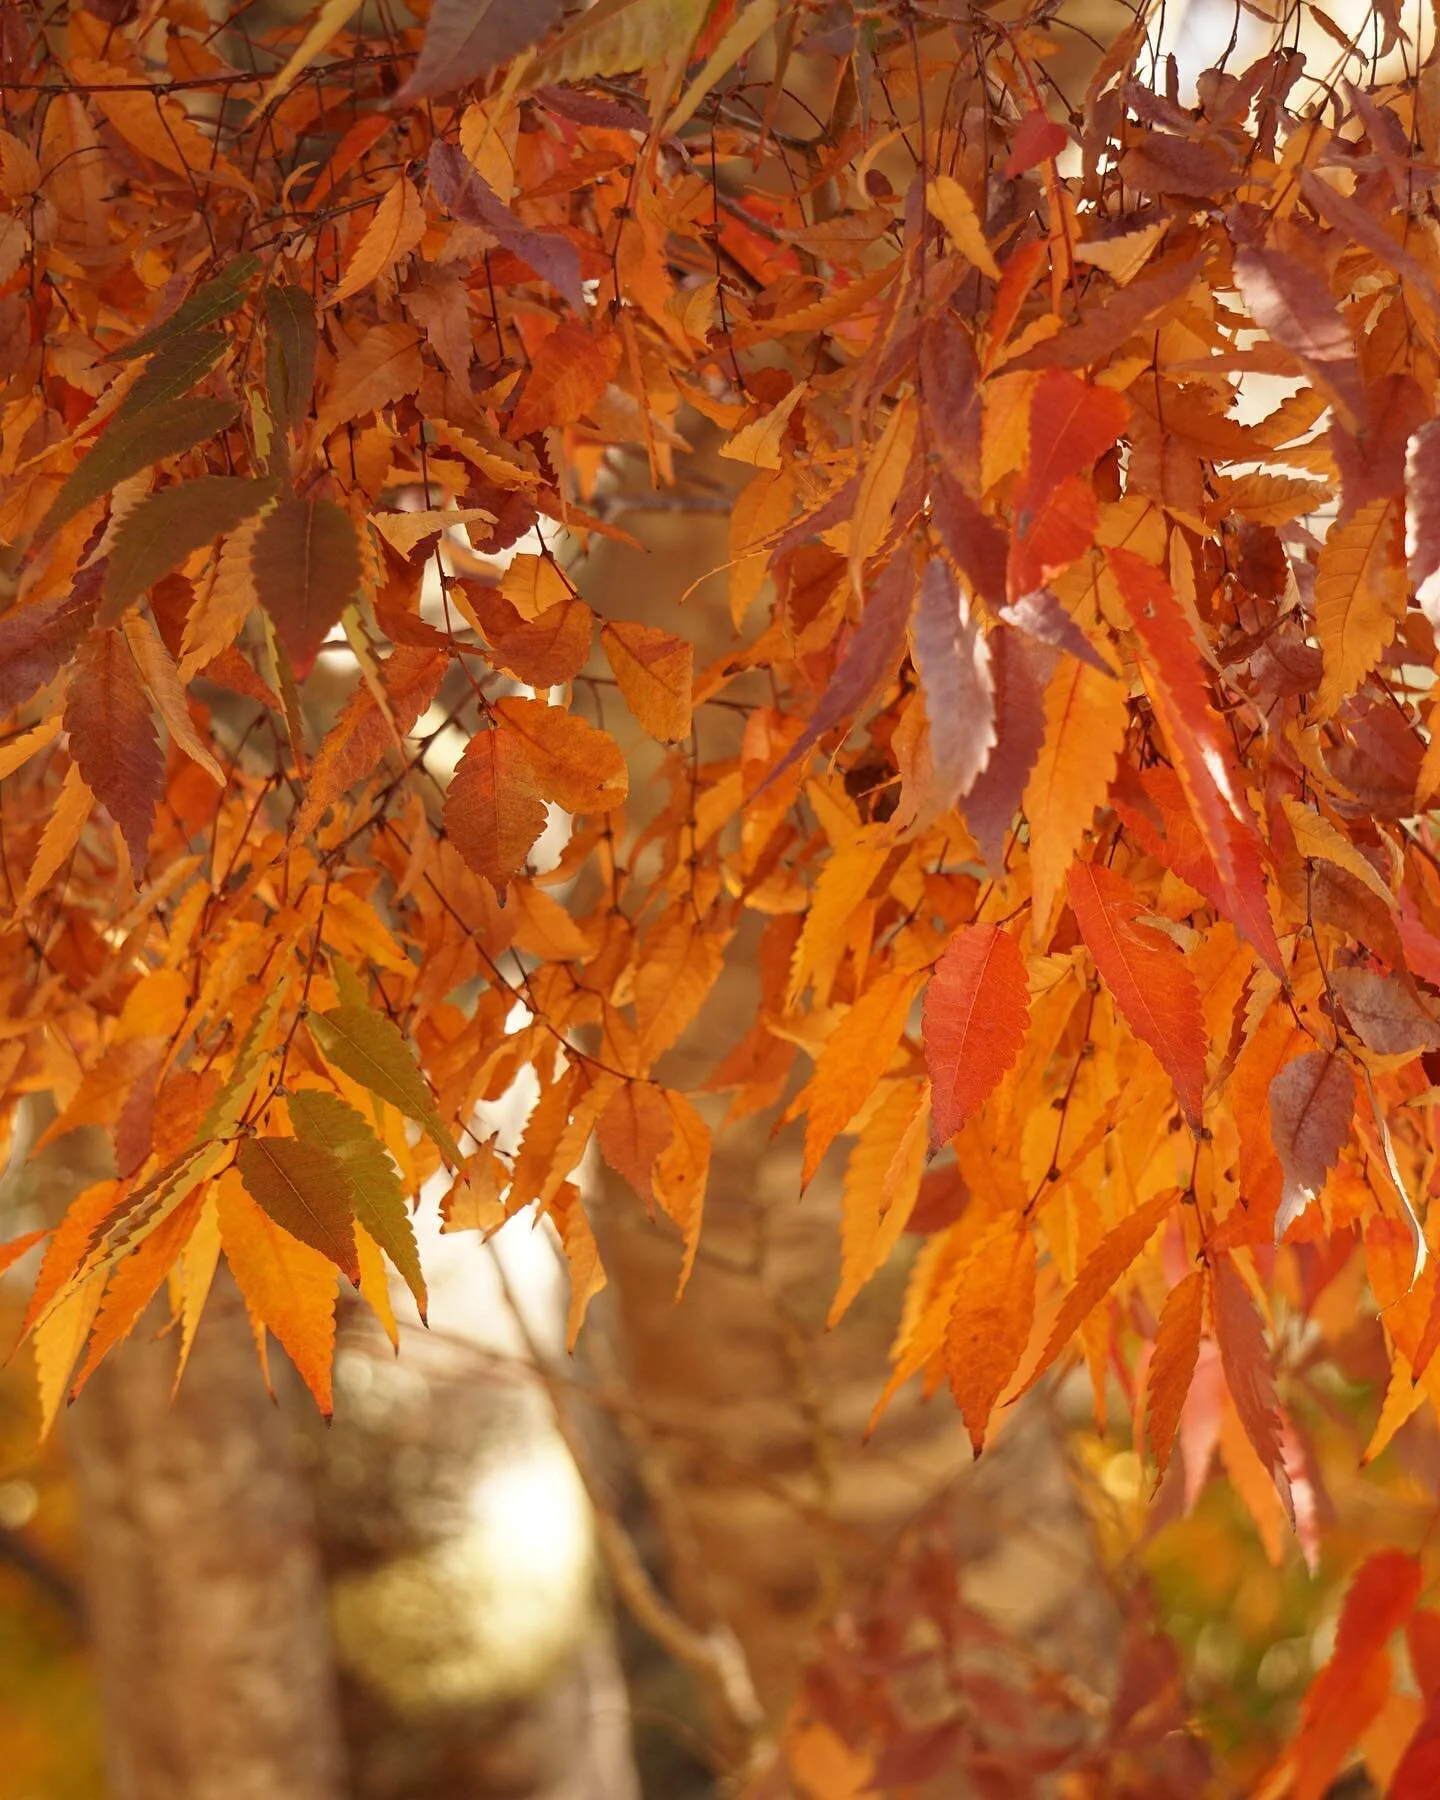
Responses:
[465,39]
[1312,1103]
[113,738]
[466,195]
[306,565]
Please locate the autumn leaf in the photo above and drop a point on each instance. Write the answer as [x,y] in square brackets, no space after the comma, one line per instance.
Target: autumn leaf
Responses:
[977,1011]
[1146,973]
[306,567]
[655,671]
[165,528]
[1085,722]
[1172,1367]
[855,1057]
[1359,599]
[288,1287]
[1246,1362]
[327,1122]
[494,808]
[1355,1683]
[112,737]
[571,762]
[952,659]
[463,191]
[368,1047]
[306,1189]
[133,443]
[466,39]
[990,1320]
[1312,1103]
[570,372]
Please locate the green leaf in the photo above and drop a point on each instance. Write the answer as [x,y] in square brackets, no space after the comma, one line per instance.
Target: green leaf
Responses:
[164,528]
[306,1190]
[212,300]
[126,446]
[306,564]
[369,1047]
[172,373]
[290,344]
[334,1125]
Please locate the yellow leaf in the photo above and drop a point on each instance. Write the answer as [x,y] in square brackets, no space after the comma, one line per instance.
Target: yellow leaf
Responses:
[954,209]
[162,679]
[582,1255]
[1122,258]
[1316,836]
[884,470]
[404,530]
[58,1340]
[1360,596]
[328,23]
[758,443]
[20,749]
[882,1182]
[744,33]
[222,608]
[61,834]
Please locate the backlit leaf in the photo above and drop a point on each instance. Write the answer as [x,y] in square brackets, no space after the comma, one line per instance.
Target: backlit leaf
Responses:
[1312,1104]
[306,1189]
[655,671]
[369,1047]
[990,1321]
[977,1011]
[856,1055]
[332,1124]
[1172,1366]
[1154,990]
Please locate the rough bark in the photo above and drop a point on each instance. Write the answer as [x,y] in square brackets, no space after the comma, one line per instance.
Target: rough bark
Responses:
[206,1598]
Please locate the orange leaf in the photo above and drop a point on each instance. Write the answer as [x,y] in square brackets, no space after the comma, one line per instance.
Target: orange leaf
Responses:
[977,1011]
[1146,973]
[571,762]
[289,1288]
[1172,1365]
[856,1055]
[1353,1685]
[570,372]
[1085,721]
[990,1321]
[494,810]
[655,671]
[1246,1361]
[882,1184]
[1104,1266]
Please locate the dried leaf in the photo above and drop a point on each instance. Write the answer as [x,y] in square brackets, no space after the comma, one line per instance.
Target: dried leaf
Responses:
[305,1189]
[305,563]
[1312,1104]
[112,737]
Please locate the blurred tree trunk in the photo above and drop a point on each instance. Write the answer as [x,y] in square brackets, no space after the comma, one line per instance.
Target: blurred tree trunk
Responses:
[206,1598]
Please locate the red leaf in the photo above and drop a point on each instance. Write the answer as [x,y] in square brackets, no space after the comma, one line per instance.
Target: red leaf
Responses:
[1071,424]
[1146,973]
[112,737]
[1312,1101]
[1038,140]
[1171,665]
[38,636]
[977,1011]
[1246,1361]
[1350,1690]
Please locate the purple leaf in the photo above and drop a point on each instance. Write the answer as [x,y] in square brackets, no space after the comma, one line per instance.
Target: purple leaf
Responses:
[467,196]
[466,39]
